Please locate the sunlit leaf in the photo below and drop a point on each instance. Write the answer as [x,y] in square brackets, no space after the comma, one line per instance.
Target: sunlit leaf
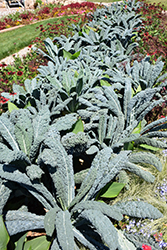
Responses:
[4,237]
[104,83]
[19,244]
[11,106]
[138,89]
[113,189]
[69,56]
[40,243]
[27,105]
[78,126]
[149,147]
[137,129]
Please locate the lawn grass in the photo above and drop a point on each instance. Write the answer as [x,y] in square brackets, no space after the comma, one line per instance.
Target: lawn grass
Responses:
[14,40]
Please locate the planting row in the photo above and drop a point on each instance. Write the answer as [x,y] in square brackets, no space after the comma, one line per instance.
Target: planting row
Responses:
[73,132]
[155,22]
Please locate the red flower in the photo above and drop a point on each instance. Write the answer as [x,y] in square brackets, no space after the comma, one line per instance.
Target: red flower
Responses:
[11,73]
[153,53]
[20,73]
[158,237]
[126,7]
[3,65]
[146,33]
[145,39]
[3,100]
[145,247]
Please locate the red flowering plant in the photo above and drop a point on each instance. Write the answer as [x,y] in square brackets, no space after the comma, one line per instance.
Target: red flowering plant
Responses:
[145,247]
[157,113]
[45,12]
[153,43]
[60,27]
[10,74]
[3,100]
[2,25]
[18,71]
[153,34]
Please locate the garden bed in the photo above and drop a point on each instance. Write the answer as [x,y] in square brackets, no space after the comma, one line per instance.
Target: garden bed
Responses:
[75,135]
[45,12]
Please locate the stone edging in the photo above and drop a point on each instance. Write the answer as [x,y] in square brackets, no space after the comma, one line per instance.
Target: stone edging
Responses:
[10,59]
[12,28]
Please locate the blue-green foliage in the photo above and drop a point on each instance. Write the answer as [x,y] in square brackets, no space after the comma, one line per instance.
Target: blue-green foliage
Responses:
[72,211]
[88,79]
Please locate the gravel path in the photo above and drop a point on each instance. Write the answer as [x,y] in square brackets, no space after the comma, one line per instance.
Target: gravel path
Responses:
[10,59]
[7,11]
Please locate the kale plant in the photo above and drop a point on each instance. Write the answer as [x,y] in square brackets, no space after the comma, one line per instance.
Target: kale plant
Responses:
[71,216]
